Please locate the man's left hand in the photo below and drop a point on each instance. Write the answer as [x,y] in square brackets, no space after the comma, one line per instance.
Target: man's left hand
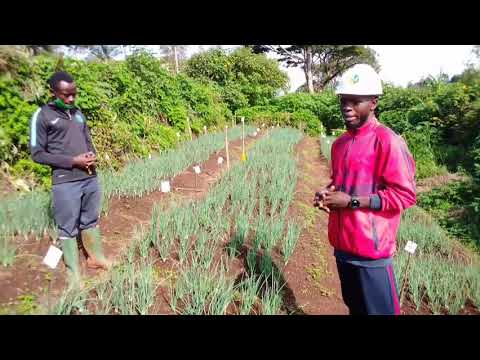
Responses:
[337,199]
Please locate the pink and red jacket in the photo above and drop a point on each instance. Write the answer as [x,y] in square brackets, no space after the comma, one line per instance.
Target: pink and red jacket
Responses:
[371,161]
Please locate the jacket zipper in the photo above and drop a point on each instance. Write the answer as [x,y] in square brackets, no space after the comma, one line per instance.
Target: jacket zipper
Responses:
[345,163]
[343,182]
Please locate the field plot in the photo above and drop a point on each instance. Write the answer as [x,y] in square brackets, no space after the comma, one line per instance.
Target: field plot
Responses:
[221,255]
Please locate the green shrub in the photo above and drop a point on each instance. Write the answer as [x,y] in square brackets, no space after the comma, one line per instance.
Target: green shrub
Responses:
[313,126]
[419,142]
[324,106]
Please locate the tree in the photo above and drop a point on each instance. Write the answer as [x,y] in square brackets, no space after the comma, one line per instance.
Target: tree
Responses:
[244,78]
[174,54]
[321,63]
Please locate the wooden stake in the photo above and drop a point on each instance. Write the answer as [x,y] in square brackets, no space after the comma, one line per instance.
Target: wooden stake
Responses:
[48,293]
[402,291]
[243,136]
[226,147]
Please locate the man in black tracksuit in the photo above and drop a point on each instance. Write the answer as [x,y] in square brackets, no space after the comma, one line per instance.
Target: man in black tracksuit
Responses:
[59,137]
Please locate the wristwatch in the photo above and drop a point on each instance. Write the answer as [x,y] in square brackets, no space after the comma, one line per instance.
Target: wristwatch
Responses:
[354,203]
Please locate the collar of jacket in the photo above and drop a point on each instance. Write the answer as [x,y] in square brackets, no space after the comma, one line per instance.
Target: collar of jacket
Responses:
[369,125]
[56,108]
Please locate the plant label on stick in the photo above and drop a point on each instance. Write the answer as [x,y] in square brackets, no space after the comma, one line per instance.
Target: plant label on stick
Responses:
[411,247]
[243,119]
[165,186]
[196,169]
[53,256]
[220,160]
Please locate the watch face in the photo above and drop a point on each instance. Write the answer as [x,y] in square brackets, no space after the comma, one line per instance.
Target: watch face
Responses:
[355,203]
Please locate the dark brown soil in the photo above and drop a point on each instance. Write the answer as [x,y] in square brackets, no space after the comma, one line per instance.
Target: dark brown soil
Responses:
[311,272]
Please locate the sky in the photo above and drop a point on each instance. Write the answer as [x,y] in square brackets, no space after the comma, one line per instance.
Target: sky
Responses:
[400,64]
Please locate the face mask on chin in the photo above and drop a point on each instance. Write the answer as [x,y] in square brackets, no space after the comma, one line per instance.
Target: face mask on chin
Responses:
[61,105]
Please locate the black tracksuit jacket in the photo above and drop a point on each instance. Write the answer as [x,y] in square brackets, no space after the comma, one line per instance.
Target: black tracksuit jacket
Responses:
[56,136]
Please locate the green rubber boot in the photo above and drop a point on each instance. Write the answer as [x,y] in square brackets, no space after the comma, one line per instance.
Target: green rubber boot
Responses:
[92,242]
[71,259]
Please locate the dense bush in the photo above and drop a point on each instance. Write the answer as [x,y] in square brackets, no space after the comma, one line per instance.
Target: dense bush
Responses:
[316,113]
[439,120]
[324,106]
[133,107]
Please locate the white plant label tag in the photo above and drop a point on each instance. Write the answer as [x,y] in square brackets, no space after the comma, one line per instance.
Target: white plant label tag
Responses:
[243,119]
[165,186]
[411,247]
[220,160]
[196,169]
[53,256]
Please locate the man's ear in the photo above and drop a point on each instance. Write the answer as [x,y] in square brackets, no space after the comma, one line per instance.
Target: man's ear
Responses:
[373,103]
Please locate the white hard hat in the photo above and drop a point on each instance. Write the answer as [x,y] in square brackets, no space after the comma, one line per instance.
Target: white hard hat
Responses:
[361,79]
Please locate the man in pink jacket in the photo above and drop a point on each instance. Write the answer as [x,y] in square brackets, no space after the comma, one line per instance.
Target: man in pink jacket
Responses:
[373,181]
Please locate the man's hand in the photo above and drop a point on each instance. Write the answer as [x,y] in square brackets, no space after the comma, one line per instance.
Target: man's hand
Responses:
[319,200]
[83,161]
[337,199]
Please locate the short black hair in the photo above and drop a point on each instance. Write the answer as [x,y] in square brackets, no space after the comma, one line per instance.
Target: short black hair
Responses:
[59,76]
